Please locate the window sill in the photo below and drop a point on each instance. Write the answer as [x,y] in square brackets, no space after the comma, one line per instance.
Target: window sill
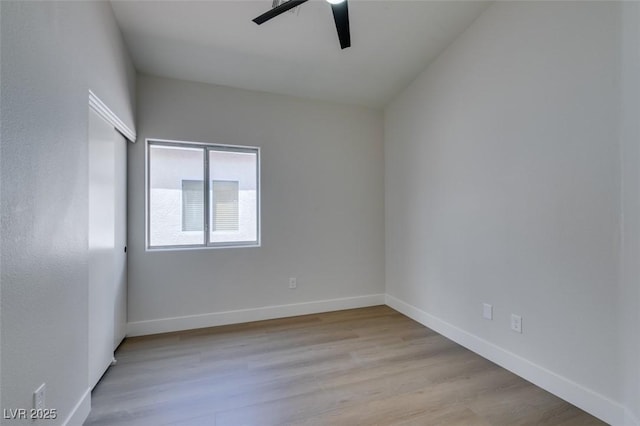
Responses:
[187,248]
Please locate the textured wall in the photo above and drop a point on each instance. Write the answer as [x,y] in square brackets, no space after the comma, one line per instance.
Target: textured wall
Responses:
[52,54]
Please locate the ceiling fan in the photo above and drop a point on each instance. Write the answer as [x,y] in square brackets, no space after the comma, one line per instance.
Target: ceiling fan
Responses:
[340,16]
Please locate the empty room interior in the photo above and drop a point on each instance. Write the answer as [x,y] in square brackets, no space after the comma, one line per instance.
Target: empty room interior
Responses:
[323,212]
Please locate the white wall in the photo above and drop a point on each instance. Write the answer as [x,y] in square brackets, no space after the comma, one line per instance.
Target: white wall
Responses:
[630,154]
[52,54]
[0,206]
[322,205]
[503,186]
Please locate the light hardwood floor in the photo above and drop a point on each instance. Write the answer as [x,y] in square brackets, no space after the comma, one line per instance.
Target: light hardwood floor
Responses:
[370,366]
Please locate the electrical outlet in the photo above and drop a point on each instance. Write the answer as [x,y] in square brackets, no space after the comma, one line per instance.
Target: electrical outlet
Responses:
[39,397]
[487,311]
[516,323]
[293,282]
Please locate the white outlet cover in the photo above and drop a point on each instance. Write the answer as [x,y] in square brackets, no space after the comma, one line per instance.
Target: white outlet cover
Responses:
[487,311]
[38,397]
[516,323]
[293,282]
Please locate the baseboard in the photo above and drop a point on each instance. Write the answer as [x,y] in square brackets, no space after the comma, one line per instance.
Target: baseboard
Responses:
[81,410]
[630,419]
[165,325]
[586,399]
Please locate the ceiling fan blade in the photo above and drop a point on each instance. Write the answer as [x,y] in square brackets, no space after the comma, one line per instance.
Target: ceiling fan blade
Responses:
[341,16]
[278,10]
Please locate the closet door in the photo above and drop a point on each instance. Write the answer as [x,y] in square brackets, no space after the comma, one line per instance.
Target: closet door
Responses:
[102,141]
[120,255]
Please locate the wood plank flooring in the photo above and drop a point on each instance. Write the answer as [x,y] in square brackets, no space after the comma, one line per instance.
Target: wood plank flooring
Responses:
[370,366]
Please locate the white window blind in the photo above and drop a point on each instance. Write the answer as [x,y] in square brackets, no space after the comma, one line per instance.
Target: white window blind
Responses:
[225,209]
[192,205]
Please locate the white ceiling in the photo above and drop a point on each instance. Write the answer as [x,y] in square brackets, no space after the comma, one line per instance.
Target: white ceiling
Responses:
[296,53]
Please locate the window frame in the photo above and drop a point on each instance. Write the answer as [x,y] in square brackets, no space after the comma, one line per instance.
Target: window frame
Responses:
[207,147]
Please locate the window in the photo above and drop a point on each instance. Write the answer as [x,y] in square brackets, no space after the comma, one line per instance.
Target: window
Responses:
[202,195]
[225,215]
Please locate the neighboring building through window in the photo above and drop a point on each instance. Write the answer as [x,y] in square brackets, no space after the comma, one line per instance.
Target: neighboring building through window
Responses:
[202,195]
